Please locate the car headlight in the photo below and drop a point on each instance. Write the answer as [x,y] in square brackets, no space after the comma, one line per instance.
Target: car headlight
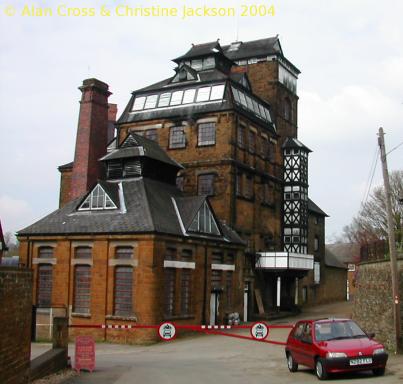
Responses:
[379,350]
[335,354]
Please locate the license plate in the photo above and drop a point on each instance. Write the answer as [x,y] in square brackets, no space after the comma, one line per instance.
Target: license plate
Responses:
[361,361]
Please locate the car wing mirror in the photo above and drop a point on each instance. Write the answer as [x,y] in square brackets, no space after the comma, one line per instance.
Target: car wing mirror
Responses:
[371,335]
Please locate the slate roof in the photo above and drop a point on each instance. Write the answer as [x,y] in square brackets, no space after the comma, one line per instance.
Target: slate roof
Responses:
[331,260]
[185,112]
[347,253]
[254,48]
[312,207]
[199,50]
[143,148]
[258,48]
[292,142]
[66,166]
[148,209]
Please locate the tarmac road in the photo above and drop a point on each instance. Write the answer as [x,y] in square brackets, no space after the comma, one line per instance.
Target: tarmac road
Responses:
[217,359]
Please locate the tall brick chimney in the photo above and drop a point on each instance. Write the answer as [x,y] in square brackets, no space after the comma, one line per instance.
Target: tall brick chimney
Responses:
[92,136]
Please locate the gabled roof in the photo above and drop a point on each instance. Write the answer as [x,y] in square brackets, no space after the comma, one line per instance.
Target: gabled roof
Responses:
[148,209]
[292,142]
[200,50]
[312,207]
[257,48]
[254,48]
[139,146]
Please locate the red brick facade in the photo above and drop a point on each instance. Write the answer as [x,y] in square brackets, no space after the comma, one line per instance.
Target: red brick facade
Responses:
[148,289]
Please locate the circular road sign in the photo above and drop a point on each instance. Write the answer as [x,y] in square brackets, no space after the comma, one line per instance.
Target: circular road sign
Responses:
[259,330]
[167,331]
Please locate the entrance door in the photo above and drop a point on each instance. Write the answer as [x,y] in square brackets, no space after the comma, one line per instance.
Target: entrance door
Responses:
[214,304]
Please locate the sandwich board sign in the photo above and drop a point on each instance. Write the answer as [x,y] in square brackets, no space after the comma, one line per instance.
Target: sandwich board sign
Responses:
[84,353]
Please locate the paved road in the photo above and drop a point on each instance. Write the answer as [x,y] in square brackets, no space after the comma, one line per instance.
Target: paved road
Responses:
[211,358]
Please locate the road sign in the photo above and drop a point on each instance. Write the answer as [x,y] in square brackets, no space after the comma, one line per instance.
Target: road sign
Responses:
[167,331]
[85,353]
[259,331]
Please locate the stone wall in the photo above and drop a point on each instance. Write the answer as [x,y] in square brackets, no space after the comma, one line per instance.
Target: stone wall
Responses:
[373,304]
[15,320]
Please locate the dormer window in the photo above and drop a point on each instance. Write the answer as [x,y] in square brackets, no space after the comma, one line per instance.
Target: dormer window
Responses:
[204,221]
[97,200]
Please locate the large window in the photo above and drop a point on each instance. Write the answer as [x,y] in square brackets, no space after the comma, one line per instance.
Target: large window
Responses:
[204,221]
[44,293]
[206,134]
[241,135]
[169,291]
[205,184]
[82,289]
[252,141]
[123,297]
[186,291]
[97,200]
[177,138]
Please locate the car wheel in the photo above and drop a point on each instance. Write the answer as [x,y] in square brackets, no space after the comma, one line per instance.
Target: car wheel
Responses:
[378,371]
[320,370]
[291,363]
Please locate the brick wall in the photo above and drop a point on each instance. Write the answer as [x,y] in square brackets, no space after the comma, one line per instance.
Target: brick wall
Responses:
[373,302]
[148,282]
[15,320]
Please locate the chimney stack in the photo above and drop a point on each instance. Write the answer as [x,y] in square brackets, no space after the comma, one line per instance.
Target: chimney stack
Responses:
[92,136]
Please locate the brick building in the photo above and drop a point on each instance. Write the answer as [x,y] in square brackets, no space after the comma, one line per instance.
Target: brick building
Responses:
[218,139]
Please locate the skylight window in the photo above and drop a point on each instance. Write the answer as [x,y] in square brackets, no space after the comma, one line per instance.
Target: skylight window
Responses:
[251,104]
[176,98]
[167,99]
[151,101]
[203,94]
[204,221]
[217,92]
[98,199]
[189,96]
[138,103]
[164,99]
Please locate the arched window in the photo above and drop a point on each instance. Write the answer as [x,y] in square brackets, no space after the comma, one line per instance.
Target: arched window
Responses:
[287,109]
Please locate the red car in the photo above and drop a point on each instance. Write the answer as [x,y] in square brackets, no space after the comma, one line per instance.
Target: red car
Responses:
[332,346]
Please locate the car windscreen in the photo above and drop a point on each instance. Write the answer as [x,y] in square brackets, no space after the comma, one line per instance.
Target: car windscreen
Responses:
[337,330]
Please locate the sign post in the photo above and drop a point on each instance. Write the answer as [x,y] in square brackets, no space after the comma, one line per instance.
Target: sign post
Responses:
[85,353]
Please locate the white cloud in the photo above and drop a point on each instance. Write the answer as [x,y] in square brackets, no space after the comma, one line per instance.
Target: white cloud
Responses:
[14,213]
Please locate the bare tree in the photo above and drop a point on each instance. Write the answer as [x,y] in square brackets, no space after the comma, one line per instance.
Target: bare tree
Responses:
[12,244]
[370,223]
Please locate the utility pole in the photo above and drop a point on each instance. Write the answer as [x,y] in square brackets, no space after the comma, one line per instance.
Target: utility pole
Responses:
[392,243]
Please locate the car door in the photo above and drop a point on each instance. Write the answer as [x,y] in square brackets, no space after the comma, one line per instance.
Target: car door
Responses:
[307,347]
[295,345]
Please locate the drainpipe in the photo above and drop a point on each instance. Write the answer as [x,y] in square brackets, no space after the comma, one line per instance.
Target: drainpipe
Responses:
[204,317]
[106,286]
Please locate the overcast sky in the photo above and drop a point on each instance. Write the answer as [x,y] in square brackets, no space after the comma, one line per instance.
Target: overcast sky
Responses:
[350,54]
